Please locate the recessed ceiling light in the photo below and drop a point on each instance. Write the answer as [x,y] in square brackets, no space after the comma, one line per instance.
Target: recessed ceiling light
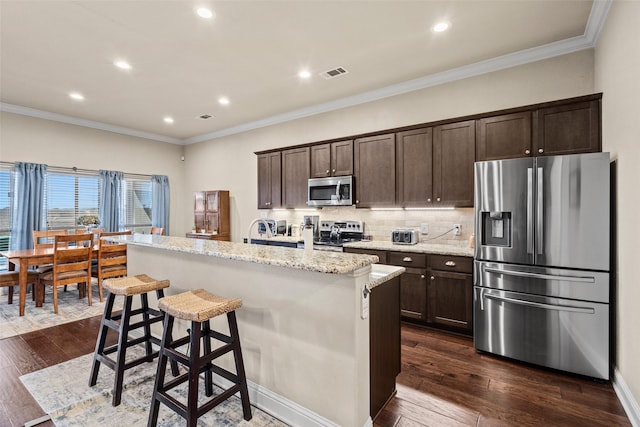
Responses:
[77,96]
[223,100]
[124,65]
[440,27]
[304,74]
[168,120]
[203,12]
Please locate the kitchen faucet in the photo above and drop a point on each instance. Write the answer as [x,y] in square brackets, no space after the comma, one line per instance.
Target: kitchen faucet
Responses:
[263,222]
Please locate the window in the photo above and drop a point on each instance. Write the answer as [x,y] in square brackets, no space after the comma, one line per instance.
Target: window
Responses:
[137,204]
[70,195]
[6,185]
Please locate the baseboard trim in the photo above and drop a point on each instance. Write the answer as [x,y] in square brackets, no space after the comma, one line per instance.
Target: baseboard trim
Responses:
[629,403]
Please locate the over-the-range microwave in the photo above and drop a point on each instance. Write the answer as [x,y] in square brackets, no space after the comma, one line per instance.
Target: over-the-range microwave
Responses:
[331,191]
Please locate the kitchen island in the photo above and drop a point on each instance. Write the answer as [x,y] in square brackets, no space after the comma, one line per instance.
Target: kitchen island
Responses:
[305,332]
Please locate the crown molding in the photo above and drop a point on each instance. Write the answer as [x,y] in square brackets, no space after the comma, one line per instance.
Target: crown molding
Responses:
[47,115]
[595,23]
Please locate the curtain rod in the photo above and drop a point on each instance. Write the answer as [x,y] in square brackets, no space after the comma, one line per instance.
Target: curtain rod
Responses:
[80,171]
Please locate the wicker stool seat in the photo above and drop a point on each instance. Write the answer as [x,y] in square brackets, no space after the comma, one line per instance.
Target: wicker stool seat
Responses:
[128,287]
[198,307]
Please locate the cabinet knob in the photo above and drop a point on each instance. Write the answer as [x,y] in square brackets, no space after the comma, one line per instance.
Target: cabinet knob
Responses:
[428,200]
[357,202]
[540,150]
[527,151]
[327,170]
[438,199]
[333,171]
[407,259]
[450,264]
[268,203]
[433,278]
[422,276]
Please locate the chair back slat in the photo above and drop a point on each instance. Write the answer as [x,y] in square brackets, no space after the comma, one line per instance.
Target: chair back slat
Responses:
[43,239]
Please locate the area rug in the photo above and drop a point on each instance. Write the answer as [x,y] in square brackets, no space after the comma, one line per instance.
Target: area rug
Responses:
[62,391]
[70,309]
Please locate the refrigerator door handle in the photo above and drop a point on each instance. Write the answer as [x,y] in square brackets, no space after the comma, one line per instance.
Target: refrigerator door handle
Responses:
[579,279]
[529,210]
[540,212]
[587,310]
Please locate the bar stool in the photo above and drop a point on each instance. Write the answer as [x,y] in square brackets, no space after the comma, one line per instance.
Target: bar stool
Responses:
[198,307]
[127,287]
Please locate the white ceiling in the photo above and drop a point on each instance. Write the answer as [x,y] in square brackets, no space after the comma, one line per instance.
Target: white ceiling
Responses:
[251,52]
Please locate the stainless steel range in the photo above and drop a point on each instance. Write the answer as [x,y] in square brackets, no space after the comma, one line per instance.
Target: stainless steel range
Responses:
[333,234]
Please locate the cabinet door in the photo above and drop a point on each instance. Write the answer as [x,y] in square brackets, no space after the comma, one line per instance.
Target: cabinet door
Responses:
[413,294]
[569,129]
[504,137]
[414,158]
[269,180]
[375,170]
[342,158]
[320,160]
[198,201]
[454,152]
[295,176]
[450,300]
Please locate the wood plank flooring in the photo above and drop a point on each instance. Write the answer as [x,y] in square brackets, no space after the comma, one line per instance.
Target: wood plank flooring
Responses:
[443,383]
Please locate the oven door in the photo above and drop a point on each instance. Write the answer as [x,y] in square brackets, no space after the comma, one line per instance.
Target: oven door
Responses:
[569,335]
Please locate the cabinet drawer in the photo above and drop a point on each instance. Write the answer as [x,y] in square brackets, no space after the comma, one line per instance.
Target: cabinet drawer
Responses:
[452,263]
[408,259]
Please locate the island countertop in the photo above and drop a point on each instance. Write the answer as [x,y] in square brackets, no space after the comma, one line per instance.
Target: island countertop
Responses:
[318,261]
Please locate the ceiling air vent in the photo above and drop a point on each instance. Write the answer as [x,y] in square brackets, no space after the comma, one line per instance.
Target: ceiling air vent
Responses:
[338,71]
[205,116]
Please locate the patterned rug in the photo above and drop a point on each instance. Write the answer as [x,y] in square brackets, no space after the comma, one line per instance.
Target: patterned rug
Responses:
[70,308]
[62,391]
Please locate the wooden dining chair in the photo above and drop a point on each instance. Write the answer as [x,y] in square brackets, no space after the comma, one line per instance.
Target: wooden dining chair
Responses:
[157,230]
[112,259]
[43,239]
[12,278]
[71,264]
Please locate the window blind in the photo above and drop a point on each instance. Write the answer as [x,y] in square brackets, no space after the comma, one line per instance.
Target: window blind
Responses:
[6,191]
[137,200]
[69,196]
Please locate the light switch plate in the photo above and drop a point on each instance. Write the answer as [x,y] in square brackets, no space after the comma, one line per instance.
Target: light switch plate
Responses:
[424,228]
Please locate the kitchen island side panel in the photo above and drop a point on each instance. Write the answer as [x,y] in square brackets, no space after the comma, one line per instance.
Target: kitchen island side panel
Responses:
[301,333]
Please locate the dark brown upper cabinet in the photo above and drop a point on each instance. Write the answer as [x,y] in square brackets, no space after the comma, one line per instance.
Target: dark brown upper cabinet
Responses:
[414,173]
[454,152]
[374,161]
[332,159]
[568,129]
[504,137]
[269,180]
[295,175]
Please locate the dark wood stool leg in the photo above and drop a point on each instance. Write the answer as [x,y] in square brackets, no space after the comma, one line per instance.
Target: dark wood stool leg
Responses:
[208,377]
[237,354]
[11,294]
[174,365]
[194,370]
[122,350]
[147,328]
[160,374]
[102,339]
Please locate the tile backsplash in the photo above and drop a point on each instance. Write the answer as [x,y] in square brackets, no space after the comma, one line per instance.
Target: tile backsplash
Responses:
[379,223]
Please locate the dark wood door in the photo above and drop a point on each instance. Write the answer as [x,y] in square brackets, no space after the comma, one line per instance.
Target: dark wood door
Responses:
[504,137]
[295,176]
[413,294]
[454,152]
[568,129]
[375,170]
[342,158]
[414,173]
[450,297]
[269,180]
[320,160]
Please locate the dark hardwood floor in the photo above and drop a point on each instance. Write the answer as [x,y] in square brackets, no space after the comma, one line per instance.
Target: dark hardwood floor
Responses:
[444,382]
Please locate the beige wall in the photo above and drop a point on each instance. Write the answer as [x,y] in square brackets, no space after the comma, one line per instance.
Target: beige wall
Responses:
[617,70]
[229,162]
[28,139]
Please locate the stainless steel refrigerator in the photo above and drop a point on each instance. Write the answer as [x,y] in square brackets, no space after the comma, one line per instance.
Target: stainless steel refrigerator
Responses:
[541,278]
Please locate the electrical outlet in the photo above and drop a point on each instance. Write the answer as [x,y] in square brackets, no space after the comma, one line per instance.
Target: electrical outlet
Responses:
[424,228]
[263,215]
[456,229]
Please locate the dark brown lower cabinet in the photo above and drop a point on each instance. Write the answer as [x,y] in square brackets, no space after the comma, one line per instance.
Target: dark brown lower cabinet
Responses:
[450,297]
[413,291]
[384,343]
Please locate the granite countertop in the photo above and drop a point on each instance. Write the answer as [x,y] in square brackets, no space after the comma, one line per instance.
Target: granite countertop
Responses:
[381,273]
[318,261]
[426,248]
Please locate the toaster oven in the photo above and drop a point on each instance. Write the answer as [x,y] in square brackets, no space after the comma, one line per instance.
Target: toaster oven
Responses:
[404,236]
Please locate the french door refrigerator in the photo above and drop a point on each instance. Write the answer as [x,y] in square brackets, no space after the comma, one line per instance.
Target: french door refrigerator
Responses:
[541,270]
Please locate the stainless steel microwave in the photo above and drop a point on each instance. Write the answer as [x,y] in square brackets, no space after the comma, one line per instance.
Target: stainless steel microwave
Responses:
[332,191]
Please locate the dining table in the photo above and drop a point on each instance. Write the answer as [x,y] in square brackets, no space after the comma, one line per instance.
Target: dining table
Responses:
[25,258]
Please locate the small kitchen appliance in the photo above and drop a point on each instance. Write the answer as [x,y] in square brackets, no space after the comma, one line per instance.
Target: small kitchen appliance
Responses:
[334,234]
[404,236]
